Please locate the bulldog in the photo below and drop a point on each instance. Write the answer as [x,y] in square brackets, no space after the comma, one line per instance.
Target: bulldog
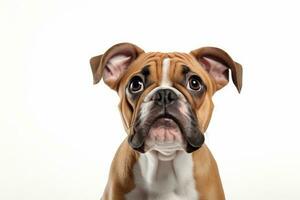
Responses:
[166,105]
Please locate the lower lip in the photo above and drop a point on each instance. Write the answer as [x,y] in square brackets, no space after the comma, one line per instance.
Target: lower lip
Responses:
[165,130]
[165,122]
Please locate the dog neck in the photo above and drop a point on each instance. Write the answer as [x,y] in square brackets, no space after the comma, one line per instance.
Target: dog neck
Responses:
[164,175]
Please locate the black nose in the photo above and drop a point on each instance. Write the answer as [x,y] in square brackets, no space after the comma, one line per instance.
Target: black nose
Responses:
[164,97]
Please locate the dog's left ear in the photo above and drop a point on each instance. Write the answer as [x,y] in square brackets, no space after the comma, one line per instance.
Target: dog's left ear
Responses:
[217,63]
[113,63]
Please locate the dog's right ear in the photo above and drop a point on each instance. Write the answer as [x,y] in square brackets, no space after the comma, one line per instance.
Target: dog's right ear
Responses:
[113,63]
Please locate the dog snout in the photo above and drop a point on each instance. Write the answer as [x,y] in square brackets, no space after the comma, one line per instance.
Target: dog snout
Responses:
[164,97]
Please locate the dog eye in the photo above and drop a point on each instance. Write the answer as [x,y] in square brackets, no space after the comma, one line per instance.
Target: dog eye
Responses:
[194,83]
[136,85]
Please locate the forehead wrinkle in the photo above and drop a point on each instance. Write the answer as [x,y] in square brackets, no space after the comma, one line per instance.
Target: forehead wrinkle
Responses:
[172,69]
[180,56]
[144,60]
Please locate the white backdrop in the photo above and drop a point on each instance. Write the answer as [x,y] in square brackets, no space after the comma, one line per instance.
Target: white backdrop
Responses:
[59,132]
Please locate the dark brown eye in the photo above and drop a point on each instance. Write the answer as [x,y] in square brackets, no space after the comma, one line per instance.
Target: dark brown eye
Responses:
[136,85]
[195,83]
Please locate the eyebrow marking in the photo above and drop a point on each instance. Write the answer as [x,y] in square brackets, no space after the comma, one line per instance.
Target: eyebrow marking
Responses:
[185,69]
[165,80]
[145,71]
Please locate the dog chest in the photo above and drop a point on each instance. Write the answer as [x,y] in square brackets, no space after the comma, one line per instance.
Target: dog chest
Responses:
[163,180]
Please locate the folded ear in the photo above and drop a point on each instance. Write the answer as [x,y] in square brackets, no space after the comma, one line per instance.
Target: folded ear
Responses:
[113,63]
[217,63]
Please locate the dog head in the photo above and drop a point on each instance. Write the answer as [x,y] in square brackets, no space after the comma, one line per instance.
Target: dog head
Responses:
[165,98]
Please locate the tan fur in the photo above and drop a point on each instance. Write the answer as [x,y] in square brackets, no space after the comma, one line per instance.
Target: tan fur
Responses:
[120,179]
[208,183]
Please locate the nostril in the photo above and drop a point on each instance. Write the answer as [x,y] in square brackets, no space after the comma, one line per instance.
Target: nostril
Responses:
[171,96]
[157,97]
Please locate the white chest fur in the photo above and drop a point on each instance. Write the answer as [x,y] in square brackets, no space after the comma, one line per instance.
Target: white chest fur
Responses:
[163,180]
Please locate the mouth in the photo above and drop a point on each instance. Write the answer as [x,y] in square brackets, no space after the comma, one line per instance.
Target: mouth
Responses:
[165,133]
[165,130]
